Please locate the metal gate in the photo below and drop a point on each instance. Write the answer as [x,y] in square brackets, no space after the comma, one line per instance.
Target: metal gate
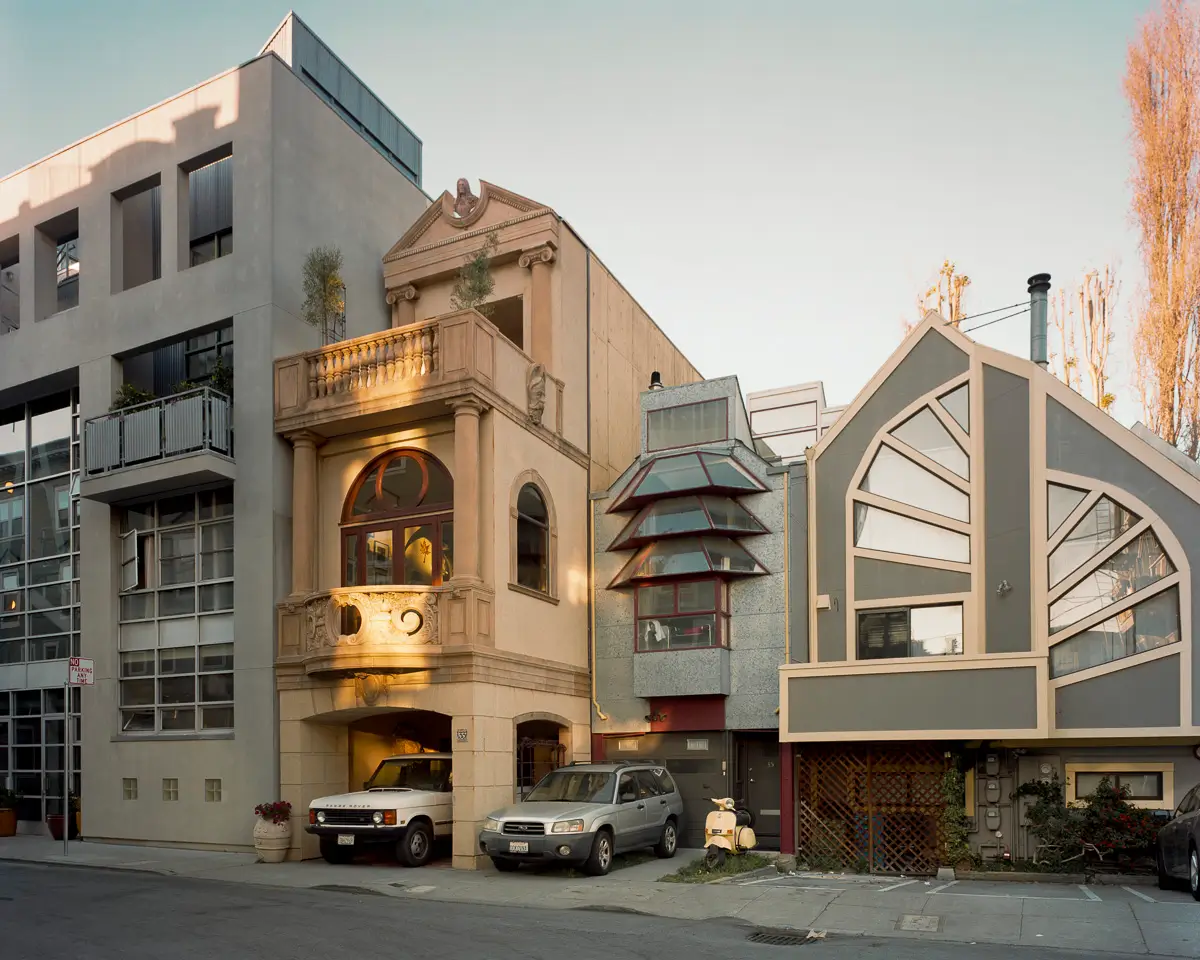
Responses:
[874,809]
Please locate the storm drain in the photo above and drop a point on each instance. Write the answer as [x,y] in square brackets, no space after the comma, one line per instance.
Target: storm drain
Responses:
[771,938]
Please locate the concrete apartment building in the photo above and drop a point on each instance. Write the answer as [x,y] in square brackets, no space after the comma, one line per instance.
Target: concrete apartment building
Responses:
[143,260]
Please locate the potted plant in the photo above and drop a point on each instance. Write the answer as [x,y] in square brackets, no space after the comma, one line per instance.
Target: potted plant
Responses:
[77,815]
[55,822]
[8,812]
[273,831]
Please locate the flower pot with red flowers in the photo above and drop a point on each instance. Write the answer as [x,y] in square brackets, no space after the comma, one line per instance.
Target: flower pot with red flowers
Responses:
[8,813]
[273,831]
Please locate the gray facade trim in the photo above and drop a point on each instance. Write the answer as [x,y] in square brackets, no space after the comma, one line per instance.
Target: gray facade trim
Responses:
[882,580]
[797,548]
[1146,695]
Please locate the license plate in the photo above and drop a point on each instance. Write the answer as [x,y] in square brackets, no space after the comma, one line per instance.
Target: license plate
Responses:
[345,839]
[518,846]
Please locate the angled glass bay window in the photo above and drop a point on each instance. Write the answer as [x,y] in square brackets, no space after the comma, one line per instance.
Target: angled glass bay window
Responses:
[688,556]
[1099,527]
[1060,501]
[687,515]
[957,403]
[925,432]
[876,529]
[686,473]
[1151,624]
[1136,566]
[896,477]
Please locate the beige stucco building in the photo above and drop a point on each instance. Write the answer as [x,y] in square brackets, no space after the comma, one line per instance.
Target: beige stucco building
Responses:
[440,531]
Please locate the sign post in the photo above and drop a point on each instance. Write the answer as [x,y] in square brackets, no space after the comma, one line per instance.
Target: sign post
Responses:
[80,673]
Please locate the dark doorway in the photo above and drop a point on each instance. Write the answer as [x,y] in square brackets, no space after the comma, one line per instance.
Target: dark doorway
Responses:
[758,784]
[540,751]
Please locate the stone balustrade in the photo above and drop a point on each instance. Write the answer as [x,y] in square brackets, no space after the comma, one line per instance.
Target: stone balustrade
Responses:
[388,357]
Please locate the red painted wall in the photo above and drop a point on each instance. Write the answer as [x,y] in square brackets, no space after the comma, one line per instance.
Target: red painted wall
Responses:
[787,798]
[678,714]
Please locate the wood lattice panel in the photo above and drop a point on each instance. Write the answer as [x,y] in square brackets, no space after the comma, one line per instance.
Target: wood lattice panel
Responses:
[875,809]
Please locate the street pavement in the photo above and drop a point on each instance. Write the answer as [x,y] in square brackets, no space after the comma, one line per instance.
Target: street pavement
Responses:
[59,913]
[1111,919]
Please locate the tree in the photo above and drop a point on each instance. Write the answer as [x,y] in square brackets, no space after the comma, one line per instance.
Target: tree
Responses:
[325,292]
[945,295]
[1162,85]
[474,282]
[1084,323]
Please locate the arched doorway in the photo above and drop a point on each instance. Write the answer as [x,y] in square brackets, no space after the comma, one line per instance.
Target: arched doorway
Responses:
[541,746]
[392,733]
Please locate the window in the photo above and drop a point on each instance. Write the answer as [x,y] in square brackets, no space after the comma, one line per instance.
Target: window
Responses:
[1150,786]
[1060,502]
[533,540]
[1130,569]
[1100,526]
[896,477]
[398,523]
[957,403]
[1138,786]
[170,787]
[57,265]
[682,616]
[202,353]
[1151,624]
[934,631]
[33,748]
[876,529]
[686,473]
[692,423]
[688,556]
[210,211]
[129,789]
[927,434]
[688,515]
[139,219]
[10,284]
[176,631]
[212,791]
[627,789]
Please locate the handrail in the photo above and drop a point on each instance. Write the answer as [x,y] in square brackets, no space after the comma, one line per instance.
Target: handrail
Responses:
[159,429]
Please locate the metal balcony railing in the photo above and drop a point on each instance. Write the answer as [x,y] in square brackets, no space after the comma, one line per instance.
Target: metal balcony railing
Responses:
[189,422]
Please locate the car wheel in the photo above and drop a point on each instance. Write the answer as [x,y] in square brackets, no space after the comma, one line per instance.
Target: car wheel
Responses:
[714,857]
[415,849]
[332,853]
[506,866]
[1164,879]
[668,842]
[599,861]
[1194,872]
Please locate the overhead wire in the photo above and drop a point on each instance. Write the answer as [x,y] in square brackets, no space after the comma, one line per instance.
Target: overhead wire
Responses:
[988,323]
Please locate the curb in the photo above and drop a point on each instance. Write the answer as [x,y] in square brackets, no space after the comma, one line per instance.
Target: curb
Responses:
[1015,877]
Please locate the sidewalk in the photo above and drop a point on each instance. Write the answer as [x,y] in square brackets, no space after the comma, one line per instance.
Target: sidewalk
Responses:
[1129,919]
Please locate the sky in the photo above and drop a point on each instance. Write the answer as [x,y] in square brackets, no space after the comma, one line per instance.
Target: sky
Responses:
[772,181]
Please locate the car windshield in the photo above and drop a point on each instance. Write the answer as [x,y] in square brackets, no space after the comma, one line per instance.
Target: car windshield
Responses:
[573,786]
[420,773]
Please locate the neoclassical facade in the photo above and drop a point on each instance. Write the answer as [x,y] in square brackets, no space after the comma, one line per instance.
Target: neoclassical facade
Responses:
[441,469]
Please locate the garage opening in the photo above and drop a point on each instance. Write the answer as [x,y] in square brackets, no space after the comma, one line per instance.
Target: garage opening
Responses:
[541,748]
[394,733]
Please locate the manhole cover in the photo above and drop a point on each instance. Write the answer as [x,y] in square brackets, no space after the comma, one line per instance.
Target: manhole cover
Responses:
[777,939]
[919,924]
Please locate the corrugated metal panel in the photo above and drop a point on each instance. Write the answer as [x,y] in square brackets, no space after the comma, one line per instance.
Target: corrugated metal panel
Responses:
[183,420]
[281,43]
[210,198]
[219,425]
[143,435]
[102,444]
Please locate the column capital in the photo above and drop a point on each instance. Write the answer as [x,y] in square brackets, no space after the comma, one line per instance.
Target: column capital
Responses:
[544,253]
[467,406]
[305,438]
[406,293]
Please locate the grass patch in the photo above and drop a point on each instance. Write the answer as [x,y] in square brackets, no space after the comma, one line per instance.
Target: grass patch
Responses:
[697,872]
[620,862]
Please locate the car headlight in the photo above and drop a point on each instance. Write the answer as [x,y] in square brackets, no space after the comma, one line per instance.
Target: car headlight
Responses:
[567,826]
[377,817]
[491,826]
[320,816]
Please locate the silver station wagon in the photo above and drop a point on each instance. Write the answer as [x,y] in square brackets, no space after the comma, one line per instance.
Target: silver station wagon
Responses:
[585,814]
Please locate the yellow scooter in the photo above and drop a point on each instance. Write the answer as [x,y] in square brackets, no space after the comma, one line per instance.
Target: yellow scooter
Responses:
[727,830]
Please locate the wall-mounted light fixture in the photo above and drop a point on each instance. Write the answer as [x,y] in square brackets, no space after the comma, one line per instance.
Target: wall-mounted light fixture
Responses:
[1004,588]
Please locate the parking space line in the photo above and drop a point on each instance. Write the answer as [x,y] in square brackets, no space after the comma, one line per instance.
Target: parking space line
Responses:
[1141,896]
[896,886]
[750,883]
[943,887]
[1088,893]
[1016,896]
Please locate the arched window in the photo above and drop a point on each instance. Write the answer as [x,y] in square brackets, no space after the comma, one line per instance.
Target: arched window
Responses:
[533,540]
[398,523]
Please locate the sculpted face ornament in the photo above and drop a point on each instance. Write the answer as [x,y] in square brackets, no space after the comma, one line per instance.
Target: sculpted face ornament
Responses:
[464,201]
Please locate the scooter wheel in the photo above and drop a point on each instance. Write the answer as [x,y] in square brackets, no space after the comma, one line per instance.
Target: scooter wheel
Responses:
[714,857]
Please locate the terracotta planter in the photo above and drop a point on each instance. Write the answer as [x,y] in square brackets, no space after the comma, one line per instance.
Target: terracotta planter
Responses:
[55,823]
[8,823]
[272,840]
[79,823]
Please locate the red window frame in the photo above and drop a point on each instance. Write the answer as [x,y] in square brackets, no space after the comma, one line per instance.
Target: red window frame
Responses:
[720,612]
[724,401]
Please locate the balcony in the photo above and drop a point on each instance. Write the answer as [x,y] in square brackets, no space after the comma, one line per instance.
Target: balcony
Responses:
[408,374]
[175,443]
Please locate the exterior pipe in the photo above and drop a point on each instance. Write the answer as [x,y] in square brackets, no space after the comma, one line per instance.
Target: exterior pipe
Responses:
[1039,288]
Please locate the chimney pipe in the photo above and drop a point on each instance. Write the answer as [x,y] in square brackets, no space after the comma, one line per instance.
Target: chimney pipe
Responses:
[656,381]
[1039,287]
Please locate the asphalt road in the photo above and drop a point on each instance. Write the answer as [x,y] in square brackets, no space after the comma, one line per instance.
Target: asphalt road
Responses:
[64,913]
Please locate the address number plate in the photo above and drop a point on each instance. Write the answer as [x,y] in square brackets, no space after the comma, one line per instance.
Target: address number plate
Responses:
[518,846]
[345,839]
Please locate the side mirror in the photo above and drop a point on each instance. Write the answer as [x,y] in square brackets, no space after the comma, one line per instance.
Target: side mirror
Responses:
[628,797]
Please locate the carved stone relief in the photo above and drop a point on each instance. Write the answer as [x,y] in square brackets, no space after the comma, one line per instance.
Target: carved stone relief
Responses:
[536,392]
[388,617]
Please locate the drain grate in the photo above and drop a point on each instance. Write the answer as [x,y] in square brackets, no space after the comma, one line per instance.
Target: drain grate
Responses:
[773,939]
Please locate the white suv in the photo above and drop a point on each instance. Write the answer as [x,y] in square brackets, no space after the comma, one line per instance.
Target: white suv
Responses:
[407,802]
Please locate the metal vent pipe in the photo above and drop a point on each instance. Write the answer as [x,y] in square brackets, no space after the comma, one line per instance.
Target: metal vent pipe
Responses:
[1039,289]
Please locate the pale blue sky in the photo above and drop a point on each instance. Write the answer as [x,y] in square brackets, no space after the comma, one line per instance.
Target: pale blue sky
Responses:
[773,181]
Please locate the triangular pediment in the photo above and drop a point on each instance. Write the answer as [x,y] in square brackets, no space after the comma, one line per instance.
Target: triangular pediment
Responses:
[494,207]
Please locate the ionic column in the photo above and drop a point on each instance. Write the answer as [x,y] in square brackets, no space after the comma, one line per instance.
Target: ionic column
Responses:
[541,314]
[304,510]
[466,489]
[403,301]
